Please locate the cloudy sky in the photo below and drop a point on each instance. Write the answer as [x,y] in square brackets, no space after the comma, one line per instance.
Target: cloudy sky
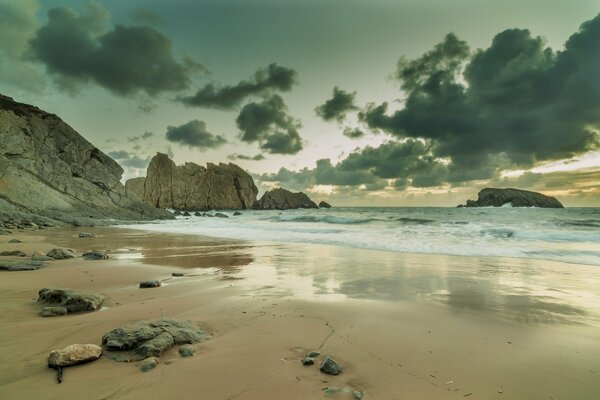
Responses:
[378,102]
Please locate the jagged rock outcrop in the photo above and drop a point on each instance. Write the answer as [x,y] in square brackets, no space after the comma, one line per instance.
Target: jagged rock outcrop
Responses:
[491,197]
[324,204]
[48,172]
[282,199]
[194,187]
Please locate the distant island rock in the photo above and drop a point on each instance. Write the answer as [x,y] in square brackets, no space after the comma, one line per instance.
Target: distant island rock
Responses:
[282,199]
[51,175]
[324,204]
[491,197]
[194,187]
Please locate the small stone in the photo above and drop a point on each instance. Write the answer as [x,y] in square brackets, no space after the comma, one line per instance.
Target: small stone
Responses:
[313,354]
[221,215]
[186,214]
[307,361]
[237,213]
[186,351]
[149,284]
[95,255]
[61,254]
[356,395]
[331,390]
[148,364]
[87,235]
[15,253]
[53,311]
[73,355]
[15,241]
[330,366]
[177,213]
[177,274]
[197,214]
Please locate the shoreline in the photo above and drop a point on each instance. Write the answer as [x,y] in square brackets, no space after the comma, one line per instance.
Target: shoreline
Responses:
[266,304]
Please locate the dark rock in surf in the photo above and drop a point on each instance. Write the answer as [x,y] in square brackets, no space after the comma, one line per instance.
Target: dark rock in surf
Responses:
[491,197]
[282,199]
[324,204]
[149,284]
[95,255]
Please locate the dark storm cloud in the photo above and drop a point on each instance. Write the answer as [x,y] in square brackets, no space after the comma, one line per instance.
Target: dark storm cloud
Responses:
[409,163]
[353,133]
[274,77]
[130,160]
[194,134]
[78,48]
[512,104]
[257,157]
[269,124]
[336,108]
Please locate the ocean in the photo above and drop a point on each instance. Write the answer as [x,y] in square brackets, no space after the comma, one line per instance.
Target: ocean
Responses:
[569,235]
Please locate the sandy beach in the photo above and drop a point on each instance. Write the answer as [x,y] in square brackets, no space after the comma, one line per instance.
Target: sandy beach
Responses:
[404,326]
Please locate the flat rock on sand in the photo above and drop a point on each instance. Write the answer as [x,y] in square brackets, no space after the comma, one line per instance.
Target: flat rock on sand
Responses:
[21,265]
[95,255]
[61,253]
[72,300]
[73,355]
[149,284]
[14,253]
[142,339]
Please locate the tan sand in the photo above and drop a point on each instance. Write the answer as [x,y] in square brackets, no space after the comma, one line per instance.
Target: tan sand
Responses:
[405,326]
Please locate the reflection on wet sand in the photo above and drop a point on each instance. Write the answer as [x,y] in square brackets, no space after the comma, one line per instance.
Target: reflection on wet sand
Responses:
[523,290]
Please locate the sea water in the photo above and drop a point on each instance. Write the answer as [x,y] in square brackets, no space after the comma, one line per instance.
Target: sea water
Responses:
[569,235]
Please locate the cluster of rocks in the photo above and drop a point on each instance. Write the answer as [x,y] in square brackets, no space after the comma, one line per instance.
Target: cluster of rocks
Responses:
[328,365]
[68,301]
[178,213]
[492,197]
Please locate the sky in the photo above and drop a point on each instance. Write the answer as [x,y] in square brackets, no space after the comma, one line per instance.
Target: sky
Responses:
[379,102]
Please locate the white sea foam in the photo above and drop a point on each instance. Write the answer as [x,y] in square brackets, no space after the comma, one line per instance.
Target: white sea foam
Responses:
[569,235]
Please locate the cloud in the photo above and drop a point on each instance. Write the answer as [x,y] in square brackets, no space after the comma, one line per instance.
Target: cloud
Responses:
[269,124]
[353,133]
[129,160]
[143,136]
[127,60]
[18,23]
[514,103]
[257,157]
[274,77]
[337,107]
[194,134]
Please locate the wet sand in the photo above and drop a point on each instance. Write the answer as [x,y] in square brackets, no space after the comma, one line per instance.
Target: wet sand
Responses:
[404,326]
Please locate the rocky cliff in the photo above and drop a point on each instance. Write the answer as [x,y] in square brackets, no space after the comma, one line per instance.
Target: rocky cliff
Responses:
[491,197]
[282,199]
[51,173]
[194,187]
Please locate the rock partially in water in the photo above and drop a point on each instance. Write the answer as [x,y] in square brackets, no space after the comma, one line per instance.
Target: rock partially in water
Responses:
[21,265]
[492,197]
[13,253]
[197,214]
[73,300]
[95,255]
[137,340]
[186,214]
[87,235]
[148,364]
[177,274]
[282,199]
[177,213]
[236,213]
[73,355]
[186,351]
[149,284]
[330,366]
[61,253]
[53,311]
[324,204]
[15,241]
[221,215]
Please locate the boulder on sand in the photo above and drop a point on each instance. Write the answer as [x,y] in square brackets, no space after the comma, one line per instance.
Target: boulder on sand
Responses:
[149,284]
[21,265]
[73,300]
[73,355]
[95,255]
[330,366]
[13,253]
[138,340]
[61,253]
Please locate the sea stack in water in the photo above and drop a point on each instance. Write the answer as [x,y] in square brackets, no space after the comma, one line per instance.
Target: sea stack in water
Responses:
[282,199]
[491,197]
[194,187]
[50,172]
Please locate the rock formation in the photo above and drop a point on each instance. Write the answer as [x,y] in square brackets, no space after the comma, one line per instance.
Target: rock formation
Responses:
[324,204]
[49,174]
[282,199]
[193,187]
[491,197]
